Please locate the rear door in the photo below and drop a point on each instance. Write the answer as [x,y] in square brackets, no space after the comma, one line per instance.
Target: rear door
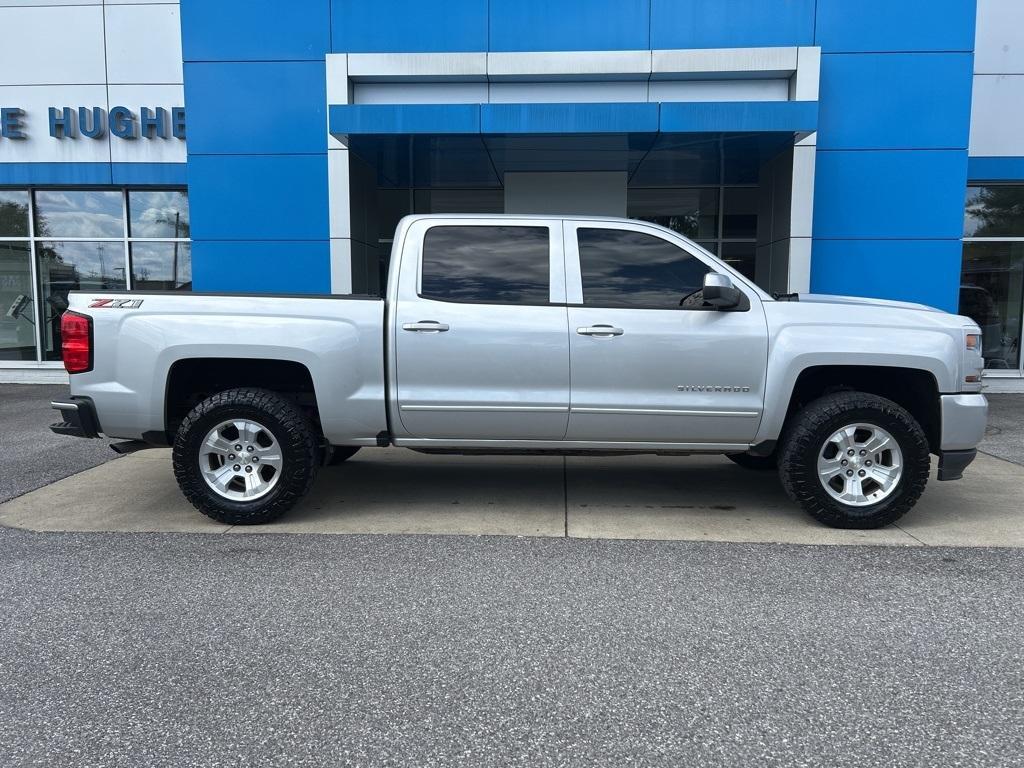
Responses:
[480,330]
[649,362]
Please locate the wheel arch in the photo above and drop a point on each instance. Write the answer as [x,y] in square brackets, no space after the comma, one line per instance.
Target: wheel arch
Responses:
[914,389]
[190,380]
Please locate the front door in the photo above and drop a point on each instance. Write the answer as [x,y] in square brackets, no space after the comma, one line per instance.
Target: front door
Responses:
[480,334]
[649,363]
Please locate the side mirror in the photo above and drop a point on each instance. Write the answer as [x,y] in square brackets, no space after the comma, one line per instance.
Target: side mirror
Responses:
[719,291]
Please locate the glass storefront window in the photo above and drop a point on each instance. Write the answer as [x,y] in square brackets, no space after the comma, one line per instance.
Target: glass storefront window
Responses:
[161,213]
[741,257]
[17,310]
[79,213]
[691,212]
[161,266]
[994,210]
[66,266]
[991,289]
[739,212]
[13,213]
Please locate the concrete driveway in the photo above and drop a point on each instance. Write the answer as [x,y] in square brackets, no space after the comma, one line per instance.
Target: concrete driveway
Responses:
[387,491]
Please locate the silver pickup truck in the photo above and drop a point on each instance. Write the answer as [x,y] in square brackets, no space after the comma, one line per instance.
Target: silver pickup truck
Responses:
[508,334]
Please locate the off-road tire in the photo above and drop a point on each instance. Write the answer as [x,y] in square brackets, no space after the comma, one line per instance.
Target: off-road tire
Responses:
[757,463]
[807,432]
[340,454]
[293,431]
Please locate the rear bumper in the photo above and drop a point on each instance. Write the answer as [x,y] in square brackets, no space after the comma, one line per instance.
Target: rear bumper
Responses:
[78,416]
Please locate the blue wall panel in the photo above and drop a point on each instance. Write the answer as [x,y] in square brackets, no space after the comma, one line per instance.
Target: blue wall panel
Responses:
[359,26]
[569,118]
[925,271]
[891,101]
[895,25]
[276,107]
[895,194]
[258,197]
[731,23]
[255,30]
[405,118]
[739,116]
[569,25]
[995,168]
[262,267]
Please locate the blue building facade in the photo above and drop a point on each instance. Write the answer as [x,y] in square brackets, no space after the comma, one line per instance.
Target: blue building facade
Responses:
[817,145]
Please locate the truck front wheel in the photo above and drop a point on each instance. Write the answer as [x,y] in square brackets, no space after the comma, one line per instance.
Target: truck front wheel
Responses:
[245,456]
[854,460]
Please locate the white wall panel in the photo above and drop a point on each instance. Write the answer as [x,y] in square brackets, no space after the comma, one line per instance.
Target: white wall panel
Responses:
[719,90]
[39,146]
[144,44]
[566,92]
[592,193]
[52,45]
[155,150]
[419,93]
[999,39]
[997,114]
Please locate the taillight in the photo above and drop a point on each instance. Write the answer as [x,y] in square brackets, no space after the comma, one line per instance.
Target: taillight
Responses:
[76,342]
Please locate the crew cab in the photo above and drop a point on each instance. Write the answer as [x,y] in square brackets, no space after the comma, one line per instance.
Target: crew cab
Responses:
[504,334]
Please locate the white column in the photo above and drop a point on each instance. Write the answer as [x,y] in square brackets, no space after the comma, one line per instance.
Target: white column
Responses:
[338,181]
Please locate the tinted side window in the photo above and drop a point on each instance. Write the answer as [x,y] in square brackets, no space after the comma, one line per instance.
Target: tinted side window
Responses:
[622,268]
[486,265]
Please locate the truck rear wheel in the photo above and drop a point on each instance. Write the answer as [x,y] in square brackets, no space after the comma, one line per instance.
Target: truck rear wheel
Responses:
[854,460]
[245,456]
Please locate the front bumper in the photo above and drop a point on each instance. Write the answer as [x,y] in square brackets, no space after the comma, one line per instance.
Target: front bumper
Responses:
[78,416]
[964,418]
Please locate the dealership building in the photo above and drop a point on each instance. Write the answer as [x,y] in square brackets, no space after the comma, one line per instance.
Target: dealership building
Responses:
[871,148]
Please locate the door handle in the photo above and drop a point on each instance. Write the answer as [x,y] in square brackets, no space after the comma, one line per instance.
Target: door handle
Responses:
[426,326]
[600,331]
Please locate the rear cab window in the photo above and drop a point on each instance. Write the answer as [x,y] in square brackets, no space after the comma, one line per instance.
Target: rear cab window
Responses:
[486,264]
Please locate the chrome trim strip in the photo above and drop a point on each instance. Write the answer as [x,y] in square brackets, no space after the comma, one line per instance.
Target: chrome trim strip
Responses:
[489,408]
[667,412]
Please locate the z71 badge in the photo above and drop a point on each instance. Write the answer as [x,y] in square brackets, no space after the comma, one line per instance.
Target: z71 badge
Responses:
[116,303]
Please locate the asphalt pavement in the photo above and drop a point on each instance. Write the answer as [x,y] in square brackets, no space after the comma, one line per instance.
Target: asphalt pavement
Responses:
[191,650]
[31,456]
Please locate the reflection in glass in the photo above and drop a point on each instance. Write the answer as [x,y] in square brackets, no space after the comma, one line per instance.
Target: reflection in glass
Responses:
[741,257]
[691,212]
[13,213]
[622,269]
[17,320]
[991,288]
[161,266]
[159,213]
[73,266]
[460,201]
[487,264]
[995,210]
[739,215]
[79,213]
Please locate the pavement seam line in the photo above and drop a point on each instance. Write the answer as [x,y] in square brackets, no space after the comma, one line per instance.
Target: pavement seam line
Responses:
[565,493]
[904,530]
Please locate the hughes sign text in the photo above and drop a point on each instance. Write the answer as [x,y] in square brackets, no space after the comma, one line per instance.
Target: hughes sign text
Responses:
[97,122]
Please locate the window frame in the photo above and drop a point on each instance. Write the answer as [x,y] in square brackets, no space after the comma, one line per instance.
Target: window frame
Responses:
[968,240]
[556,272]
[34,240]
[574,272]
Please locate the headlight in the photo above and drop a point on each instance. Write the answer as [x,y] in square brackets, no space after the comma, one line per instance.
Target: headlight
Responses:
[973,341]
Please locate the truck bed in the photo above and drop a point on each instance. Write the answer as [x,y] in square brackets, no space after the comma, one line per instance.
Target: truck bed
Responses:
[140,336]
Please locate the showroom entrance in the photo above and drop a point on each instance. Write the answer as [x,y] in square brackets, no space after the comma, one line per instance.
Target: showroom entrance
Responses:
[728,192]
